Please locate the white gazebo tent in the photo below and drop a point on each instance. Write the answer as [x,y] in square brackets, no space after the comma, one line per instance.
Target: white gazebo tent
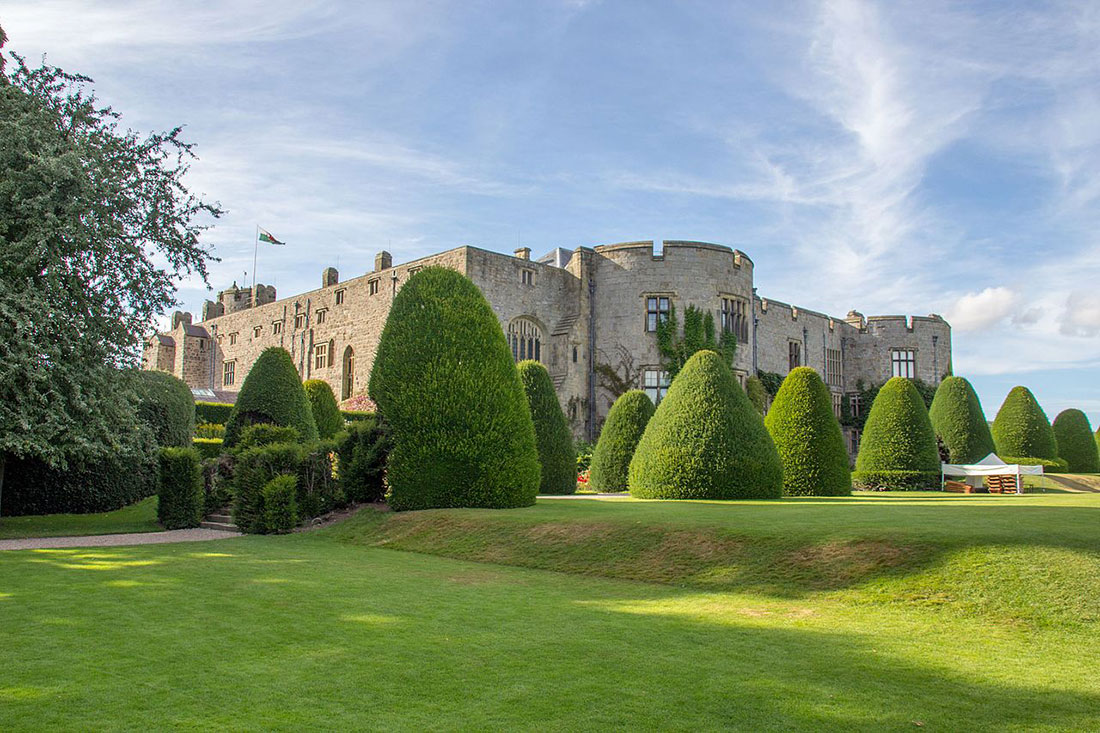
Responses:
[991,465]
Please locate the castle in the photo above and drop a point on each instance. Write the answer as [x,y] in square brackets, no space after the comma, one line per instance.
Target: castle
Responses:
[590,315]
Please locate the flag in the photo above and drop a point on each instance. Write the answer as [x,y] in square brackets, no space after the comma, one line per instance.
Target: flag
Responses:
[266,236]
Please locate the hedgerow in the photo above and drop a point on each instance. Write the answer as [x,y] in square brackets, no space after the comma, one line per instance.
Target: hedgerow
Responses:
[323,404]
[554,441]
[958,420]
[362,451]
[280,504]
[180,492]
[165,404]
[271,393]
[623,428]
[207,447]
[898,442]
[264,434]
[1076,442]
[807,437]
[213,412]
[85,485]
[1021,428]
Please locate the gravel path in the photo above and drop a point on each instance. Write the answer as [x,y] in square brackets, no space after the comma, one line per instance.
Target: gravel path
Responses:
[116,540]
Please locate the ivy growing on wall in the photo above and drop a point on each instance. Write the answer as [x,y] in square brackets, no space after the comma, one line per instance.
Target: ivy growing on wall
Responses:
[676,346]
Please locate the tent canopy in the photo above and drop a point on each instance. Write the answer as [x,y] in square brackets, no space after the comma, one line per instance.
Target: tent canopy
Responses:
[991,465]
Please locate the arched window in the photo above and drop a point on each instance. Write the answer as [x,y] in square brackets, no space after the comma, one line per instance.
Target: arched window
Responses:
[525,338]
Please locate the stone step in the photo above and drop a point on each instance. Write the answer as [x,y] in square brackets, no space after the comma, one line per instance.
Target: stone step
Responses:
[223,526]
[222,518]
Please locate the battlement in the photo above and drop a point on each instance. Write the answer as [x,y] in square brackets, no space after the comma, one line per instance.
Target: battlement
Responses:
[670,247]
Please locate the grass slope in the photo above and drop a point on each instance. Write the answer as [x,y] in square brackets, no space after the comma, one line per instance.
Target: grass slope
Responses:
[138,517]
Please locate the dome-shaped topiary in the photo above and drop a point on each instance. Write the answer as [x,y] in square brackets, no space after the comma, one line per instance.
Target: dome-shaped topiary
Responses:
[1021,428]
[166,405]
[323,404]
[808,438]
[706,441]
[756,393]
[272,393]
[557,456]
[898,449]
[621,432]
[1076,443]
[958,421]
[445,382]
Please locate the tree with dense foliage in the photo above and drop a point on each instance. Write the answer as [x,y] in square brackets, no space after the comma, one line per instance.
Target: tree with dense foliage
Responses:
[447,387]
[706,441]
[166,405]
[959,422]
[96,223]
[1022,430]
[273,394]
[323,404]
[898,449]
[807,437]
[557,454]
[757,394]
[676,346]
[1076,442]
[623,428]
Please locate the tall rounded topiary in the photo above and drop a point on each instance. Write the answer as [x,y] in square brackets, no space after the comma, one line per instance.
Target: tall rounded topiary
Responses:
[1076,443]
[445,382]
[322,402]
[756,393]
[623,428]
[166,405]
[706,441]
[958,420]
[557,456]
[1022,430]
[808,438]
[272,393]
[898,449]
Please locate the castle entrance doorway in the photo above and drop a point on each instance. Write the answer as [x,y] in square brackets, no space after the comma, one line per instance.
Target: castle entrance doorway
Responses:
[349,373]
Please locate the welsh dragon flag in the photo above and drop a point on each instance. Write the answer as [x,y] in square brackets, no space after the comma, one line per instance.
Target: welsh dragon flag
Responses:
[268,237]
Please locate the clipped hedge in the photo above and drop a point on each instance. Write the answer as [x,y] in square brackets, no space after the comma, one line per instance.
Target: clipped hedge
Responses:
[180,494]
[362,452]
[271,393]
[323,404]
[317,488]
[623,428]
[706,441]
[447,387]
[213,412]
[896,480]
[208,447]
[1056,465]
[1076,443]
[86,485]
[264,434]
[958,420]
[807,437]
[351,416]
[554,441]
[757,394]
[1021,428]
[165,404]
[898,447]
[280,504]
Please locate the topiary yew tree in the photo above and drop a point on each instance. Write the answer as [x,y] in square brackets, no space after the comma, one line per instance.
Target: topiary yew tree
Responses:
[557,456]
[757,394]
[273,394]
[322,402]
[958,420]
[1021,428]
[1076,443]
[898,449]
[623,428]
[445,383]
[706,441]
[807,437]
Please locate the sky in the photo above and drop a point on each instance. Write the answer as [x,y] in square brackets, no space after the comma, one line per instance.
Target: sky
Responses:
[888,157]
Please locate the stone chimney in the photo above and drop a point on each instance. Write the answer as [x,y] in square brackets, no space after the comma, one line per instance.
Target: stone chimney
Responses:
[383,261]
[329,277]
[856,319]
[524,253]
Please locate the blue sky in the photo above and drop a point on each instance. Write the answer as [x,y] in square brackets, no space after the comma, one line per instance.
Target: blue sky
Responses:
[889,157]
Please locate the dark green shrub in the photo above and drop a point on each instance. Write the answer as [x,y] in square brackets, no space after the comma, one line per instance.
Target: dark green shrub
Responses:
[1021,428]
[319,490]
[756,393]
[807,437]
[557,456]
[1055,465]
[253,469]
[706,441]
[362,452]
[217,483]
[271,393]
[213,412]
[351,416]
[209,430]
[896,480]
[1076,443]
[584,449]
[207,447]
[85,485]
[446,385]
[280,504]
[958,421]
[897,437]
[264,434]
[180,496]
[165,404]
[323,403]
[621,432]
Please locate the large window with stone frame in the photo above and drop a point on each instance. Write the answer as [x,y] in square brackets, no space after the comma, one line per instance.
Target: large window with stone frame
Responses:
[794,354]
[525,338]
[655,382]
[735,318]
[229,373]
[656,311]
[320,356]
[903,363]
[832,367]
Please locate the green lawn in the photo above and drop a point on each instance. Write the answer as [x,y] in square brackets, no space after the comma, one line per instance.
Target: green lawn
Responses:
[139,517]
[989,622]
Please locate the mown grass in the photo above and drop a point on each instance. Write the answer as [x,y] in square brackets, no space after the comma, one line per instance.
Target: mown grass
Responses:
[138,517]
[325,631]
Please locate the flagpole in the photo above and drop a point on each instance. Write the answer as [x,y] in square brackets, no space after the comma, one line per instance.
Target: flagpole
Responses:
[255,252]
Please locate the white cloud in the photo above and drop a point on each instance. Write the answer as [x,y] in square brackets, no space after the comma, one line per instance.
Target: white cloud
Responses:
[979,311]
[1082,314]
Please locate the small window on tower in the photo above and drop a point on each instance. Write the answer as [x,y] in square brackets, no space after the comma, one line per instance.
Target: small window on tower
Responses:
[527,277]
[300,320]
[232,338]
[256,331]
[340,297]
[373,284]
[277,327]
[321,315]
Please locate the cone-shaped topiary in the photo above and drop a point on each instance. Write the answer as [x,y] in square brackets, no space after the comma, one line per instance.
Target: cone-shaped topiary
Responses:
[1021,428]
[757,395]
[557,456]
[1076,443]
[445,382]
[958,421]
[323,403]
[808,438]
[898,449]
[165,404]
[272,393]
[706,441]
[621,432]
